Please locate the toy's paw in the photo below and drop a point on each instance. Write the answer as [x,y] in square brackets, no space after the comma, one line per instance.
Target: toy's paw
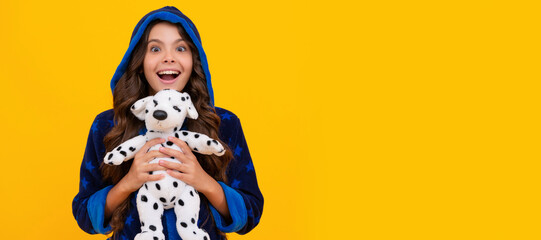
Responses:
[193,234]
[113,158]
[148,235]
[203,236]
[216,147]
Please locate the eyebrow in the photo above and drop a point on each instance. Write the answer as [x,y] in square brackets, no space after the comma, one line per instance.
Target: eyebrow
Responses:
[158,41]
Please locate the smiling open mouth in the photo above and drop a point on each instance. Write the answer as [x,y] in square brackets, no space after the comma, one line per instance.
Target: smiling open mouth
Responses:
[168,75]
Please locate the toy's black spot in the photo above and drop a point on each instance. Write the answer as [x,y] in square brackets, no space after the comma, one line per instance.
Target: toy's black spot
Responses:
[194,233]
[158,186]
[146,186]
[176,108]
[172,157]
[175,129]
[173,199]
[175,184]
[176,135]
[155,103]
[132,149]
[205,238]
[169,98]
[180,202]
[118,149]
[208,142]
[143,224]
[169,143]
[183,224]
[187,97]
[163,200]
[155,206]
[184,133]
[132,106]
[150,172]
[144,198]
[146,111]
[151,130]
[183,99]
[162,145]
[193,220]
[196,135]
[195,149]
[152,227]
[123,153]
[187,143]
[155,238]
[110,156]
[214,141]
[191,193]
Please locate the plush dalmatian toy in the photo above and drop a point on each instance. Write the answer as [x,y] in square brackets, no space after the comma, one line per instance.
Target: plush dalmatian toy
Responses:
[164,114]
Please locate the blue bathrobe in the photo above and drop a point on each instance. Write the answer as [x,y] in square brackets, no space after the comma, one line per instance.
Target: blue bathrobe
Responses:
[242,193]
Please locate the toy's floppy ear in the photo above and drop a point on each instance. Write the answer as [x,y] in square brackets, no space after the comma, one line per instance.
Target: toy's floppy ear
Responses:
[139,107]
[192,112]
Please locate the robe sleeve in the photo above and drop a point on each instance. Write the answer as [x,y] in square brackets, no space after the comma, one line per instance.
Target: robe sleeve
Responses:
[243,196]
[88,205]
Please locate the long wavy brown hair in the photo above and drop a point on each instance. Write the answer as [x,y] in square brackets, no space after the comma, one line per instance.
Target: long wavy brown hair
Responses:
[133,86]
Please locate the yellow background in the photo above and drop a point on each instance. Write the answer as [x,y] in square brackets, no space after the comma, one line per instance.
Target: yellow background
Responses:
[365,120]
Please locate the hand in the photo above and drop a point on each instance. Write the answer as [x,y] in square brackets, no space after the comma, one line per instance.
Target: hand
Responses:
[140,168]
[190,171]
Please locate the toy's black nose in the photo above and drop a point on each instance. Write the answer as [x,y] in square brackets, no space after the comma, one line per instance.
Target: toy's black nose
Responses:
[160,115]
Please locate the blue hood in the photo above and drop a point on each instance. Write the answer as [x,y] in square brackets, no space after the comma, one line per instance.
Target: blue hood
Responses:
[173,15]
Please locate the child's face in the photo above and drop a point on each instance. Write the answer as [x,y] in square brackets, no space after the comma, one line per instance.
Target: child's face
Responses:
[168,60]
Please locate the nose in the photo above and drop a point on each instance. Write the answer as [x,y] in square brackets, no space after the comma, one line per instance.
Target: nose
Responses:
[160,115]
[168,58]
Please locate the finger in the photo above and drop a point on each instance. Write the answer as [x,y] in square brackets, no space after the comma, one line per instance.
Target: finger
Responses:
[156,177]
[154,167]
[177,175]
[173,153]
[149,156]
[175,166]
[153,155]
[183,146]
[149,144]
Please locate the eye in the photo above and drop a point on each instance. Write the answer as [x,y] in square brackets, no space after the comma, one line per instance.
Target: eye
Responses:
[154,49]
[181,49]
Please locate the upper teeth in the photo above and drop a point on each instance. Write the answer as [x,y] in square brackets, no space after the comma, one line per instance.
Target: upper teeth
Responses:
[168,72]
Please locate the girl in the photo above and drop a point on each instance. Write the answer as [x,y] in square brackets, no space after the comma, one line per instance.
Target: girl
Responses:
[165,52]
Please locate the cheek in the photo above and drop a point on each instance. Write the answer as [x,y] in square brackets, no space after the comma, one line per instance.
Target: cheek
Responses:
[148,67]
[187,62]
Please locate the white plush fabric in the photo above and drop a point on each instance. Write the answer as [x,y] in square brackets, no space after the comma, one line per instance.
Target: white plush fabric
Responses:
[164,114]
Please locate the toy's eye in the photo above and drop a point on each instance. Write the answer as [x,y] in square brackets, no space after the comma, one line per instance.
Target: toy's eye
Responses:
[176,108]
